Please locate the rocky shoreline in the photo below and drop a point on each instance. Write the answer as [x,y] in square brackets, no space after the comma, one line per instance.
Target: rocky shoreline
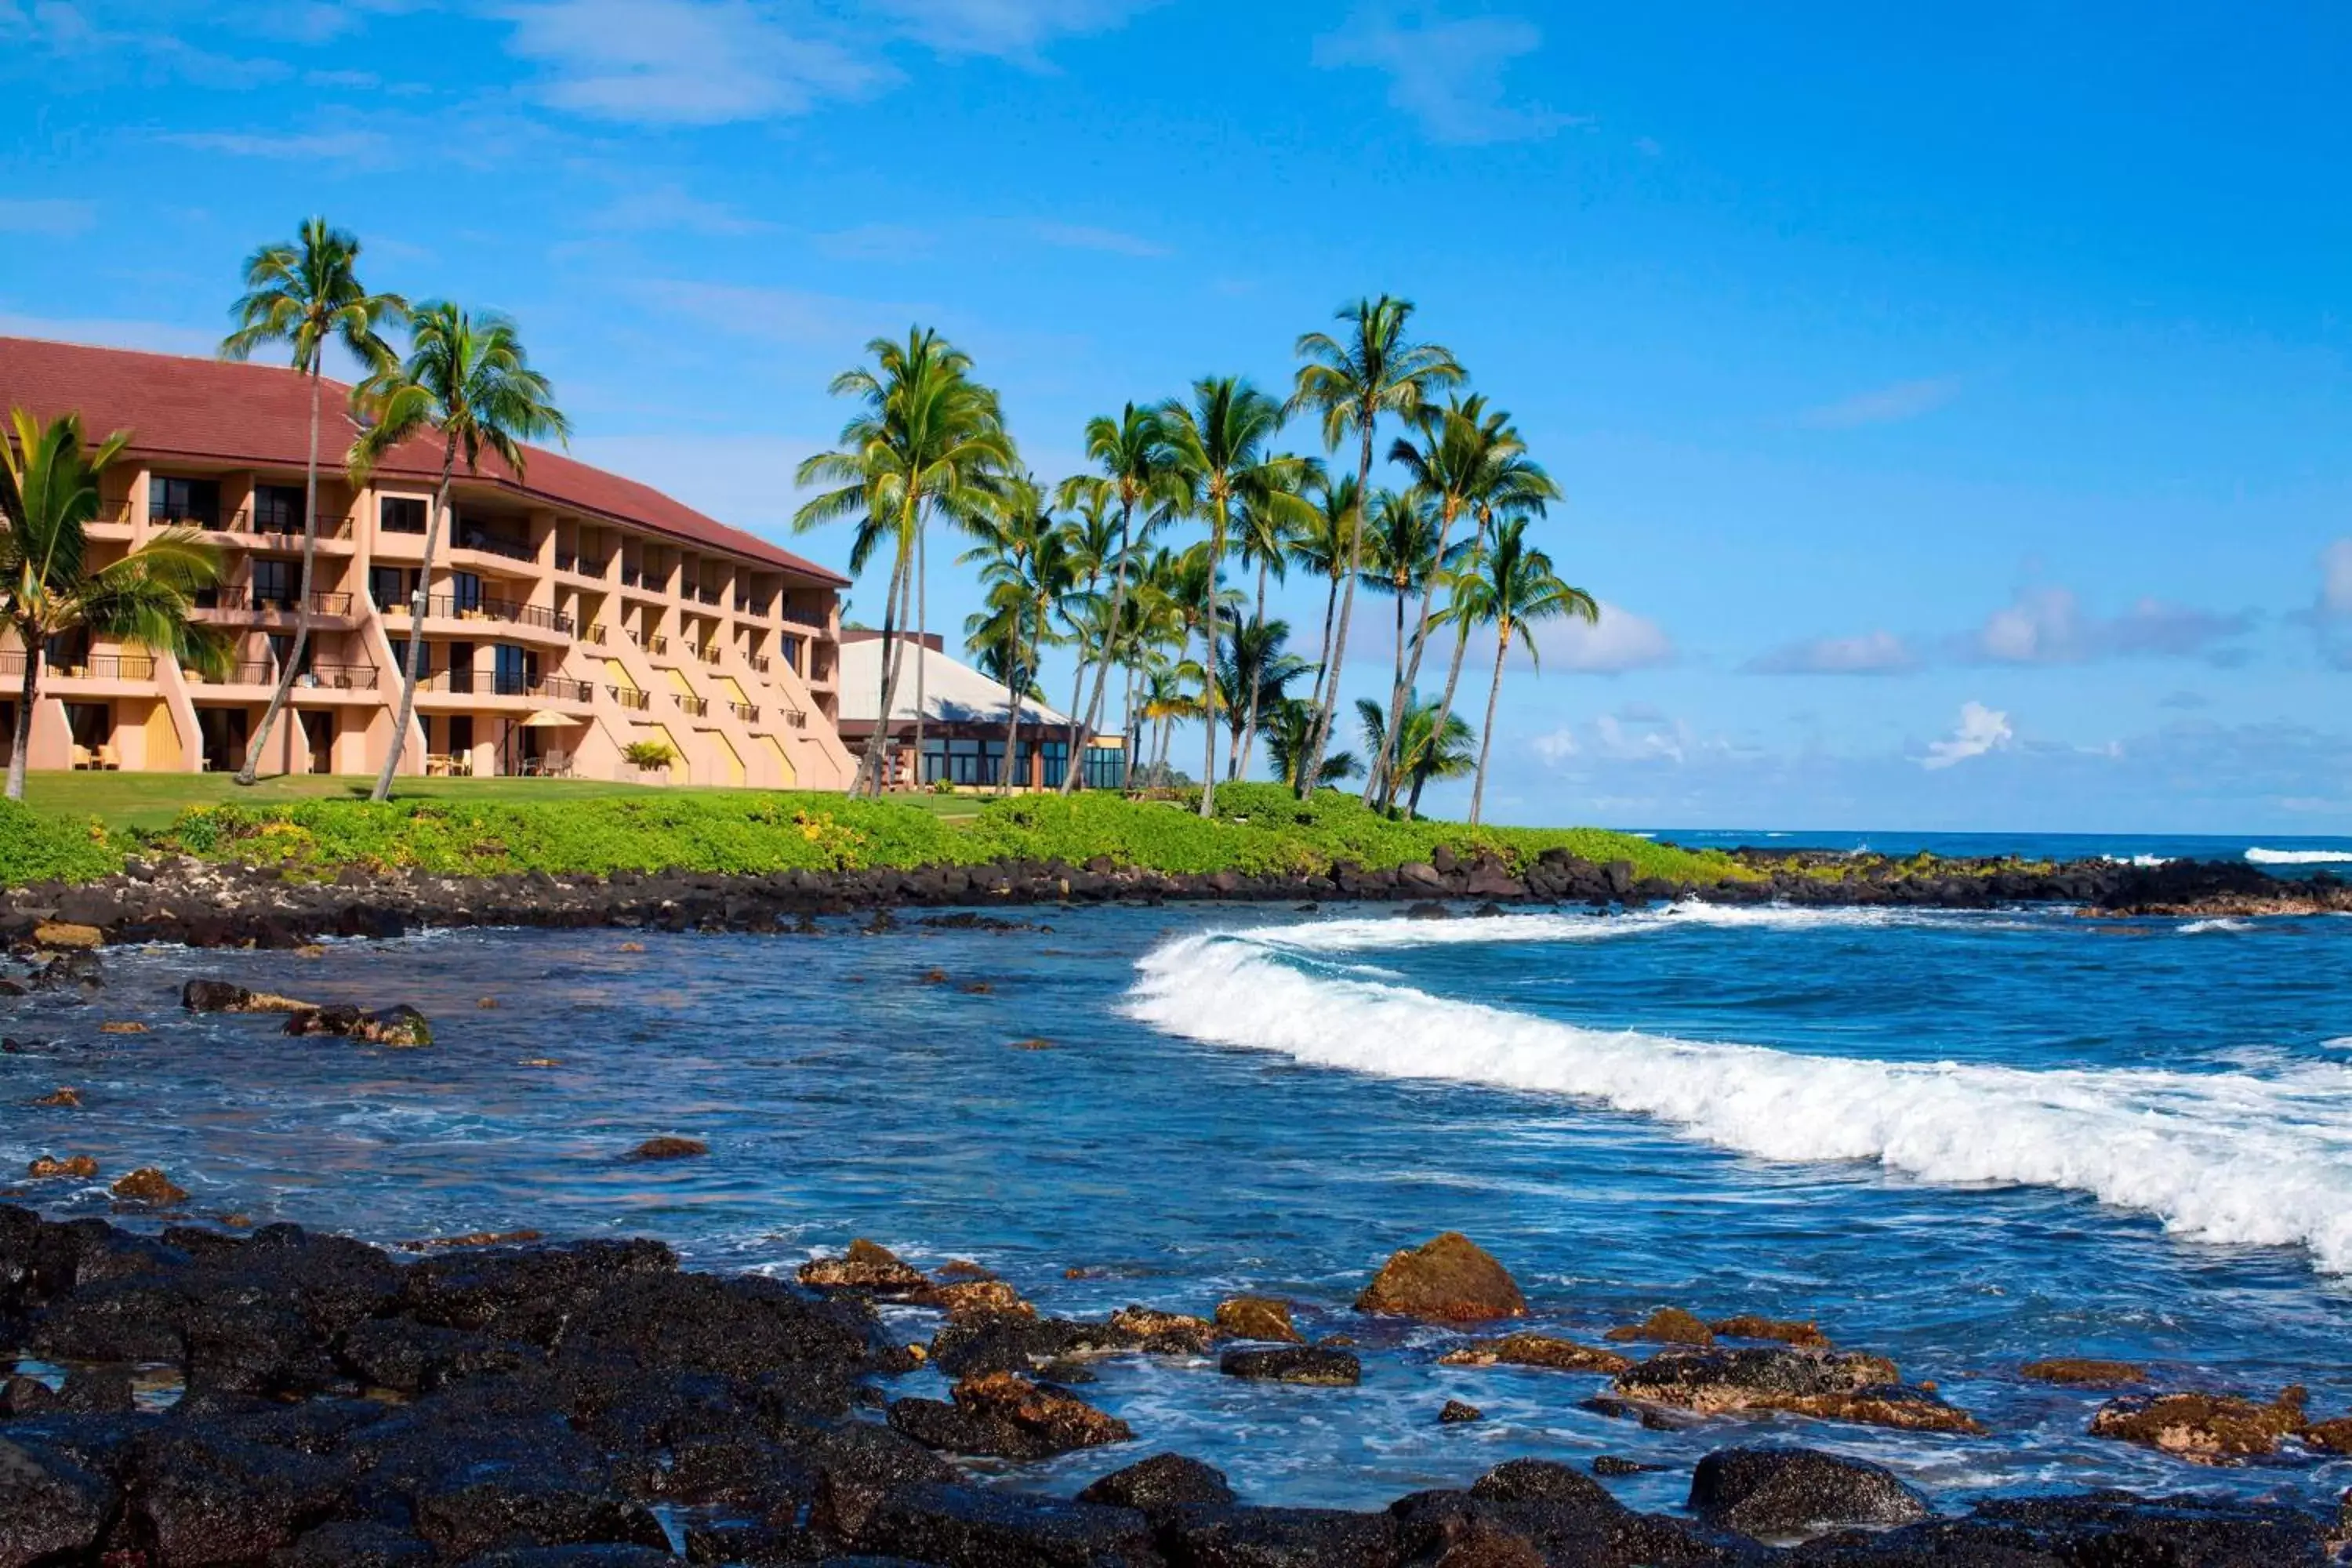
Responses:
[286,1397]
[207,904]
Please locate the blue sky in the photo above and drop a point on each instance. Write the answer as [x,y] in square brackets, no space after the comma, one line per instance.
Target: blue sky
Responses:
[1953,407]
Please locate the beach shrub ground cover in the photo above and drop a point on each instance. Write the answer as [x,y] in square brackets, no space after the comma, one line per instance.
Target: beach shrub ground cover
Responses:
[1258,829]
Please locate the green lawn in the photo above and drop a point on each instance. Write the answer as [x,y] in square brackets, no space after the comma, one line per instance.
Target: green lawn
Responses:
[150,801]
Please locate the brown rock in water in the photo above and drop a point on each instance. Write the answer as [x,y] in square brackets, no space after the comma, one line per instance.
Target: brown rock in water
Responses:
[1164,1334]
[1002,1414]
[976,988]
[2203,1428]
[1257,1317]
[540,1062]
[471,1238]
[1788,1332]
[934,977]
[865,1267]
[64,1097]
[1666,1326]
[1832,1385]
[1448,1279]
[1536,1350]
[1455,1412]
[973,1300]
[2081,1372]
[49,1168]
[2329,1437]
[122,1026]
[399,1026]
[1311,1364]
[957,1269]
[65,935]
[221,996]
[485,1004]
[631,947]
[669,1149]
[148,1185]
[311,949]
[1032,1043]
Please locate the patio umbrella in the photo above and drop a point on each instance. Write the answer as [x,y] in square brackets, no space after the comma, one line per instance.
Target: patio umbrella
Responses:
[545,719]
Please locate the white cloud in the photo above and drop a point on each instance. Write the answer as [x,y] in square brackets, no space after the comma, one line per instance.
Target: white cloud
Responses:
[1084,236]
[1010,29]
[1882,405]
[670,209]
[1980,729]
[305,146]
[49,219]
[876,242]
[1871,653]
[685,62]
[1445,72]
[1558,746]
[1621,640]
[2049,625]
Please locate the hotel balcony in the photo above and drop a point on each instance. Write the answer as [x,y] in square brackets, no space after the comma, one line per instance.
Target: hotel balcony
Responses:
[450,616]
[484,687]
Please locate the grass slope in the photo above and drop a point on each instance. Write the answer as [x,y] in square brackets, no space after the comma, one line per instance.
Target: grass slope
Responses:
[462,827]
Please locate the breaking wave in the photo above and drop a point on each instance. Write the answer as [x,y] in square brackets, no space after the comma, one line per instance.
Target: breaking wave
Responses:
[2228,1157]
[2261,856]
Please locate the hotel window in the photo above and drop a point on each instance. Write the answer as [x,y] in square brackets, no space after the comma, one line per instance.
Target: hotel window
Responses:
[276,508]
[510,670]
[184,500]
[1057,756]
[390,586]
[401,515]
[282,649]
[792,646]
[461,666]
[465,591]
[1105,768]
[273,583]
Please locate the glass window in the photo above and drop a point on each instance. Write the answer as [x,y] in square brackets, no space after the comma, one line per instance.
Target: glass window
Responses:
[1057,757]
[461,732]
[510,670]
[390,586]
[461,666]
[401,515]
[276,508]
[273,583]
[1105,768]
[178,500]
[466,590]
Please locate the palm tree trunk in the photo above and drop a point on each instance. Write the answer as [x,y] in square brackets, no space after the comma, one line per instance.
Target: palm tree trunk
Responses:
[1323,660]
[1410,676]
[1381,763]
[1486,736]
[418,604]
[1209,666]
[28,692]
[1012,720]
[277,699]
[922,634]
[1249,727]
[869,762]
[1453,678]
[1322,736]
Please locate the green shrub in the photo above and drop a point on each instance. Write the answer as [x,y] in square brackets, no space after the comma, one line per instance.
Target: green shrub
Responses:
[36,848]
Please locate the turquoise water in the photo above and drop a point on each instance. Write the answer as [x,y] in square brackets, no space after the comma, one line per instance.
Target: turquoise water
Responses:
[1962,1140]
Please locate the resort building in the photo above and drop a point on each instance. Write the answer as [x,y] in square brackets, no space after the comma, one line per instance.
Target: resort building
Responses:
[964,717]
[567,611]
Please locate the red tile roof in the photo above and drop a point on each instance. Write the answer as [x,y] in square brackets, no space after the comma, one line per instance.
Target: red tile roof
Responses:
[259,414]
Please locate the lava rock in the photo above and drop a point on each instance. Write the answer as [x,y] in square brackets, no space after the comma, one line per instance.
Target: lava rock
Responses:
[148,1185]
[1668,1326]
[1805,1335]
[669,1149]
[866,1267]
[973,1527]
[1160,1484]
[1538,1351]
[51,1509]
[2075,1372]
[1239,1537]
[1306,1363]
[1832,1385]
[1776,1492]
[1257,1317]
[2203,1428]
[1455,1412]
[1001,1414]
[1449,1279]
[400,1025]
[1164,1334]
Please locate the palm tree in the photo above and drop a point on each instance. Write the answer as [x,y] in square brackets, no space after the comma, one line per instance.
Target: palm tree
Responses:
[1426,747]
[467,381]
[1354,382]
[1521,491]
[1026,567]
[1267,525]
[1218,443]
[305,295]
[1137,467]
[1403,556]
[1255,673]
[927,439]
[1091,539]
[1165,701]
[1287,727]
[48,494]
[1324,545]
[1467,459]
[1516,587]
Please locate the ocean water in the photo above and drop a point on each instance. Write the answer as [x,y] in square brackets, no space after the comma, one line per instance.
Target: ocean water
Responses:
[1964,1141]
[2282,855]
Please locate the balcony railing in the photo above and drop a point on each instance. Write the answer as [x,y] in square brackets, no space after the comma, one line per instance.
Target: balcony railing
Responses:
[651,645]
[504,683]
[241,521]
[246,672]
[632,576]
[795,718]
[630,697]
[706,595]
[590,565]
[88,667]
[799,616]
[747,711]
[246,598]
[448,607]
[594,634]
[494,545]
[708,652]
[695,706]
[561,689]
[758,663]
[340,677]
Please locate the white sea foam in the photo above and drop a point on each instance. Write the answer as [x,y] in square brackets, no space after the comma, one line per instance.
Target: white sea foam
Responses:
[2231,1157]
[2137,860]
[1379,933]
[2261,856]
[2199,928]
